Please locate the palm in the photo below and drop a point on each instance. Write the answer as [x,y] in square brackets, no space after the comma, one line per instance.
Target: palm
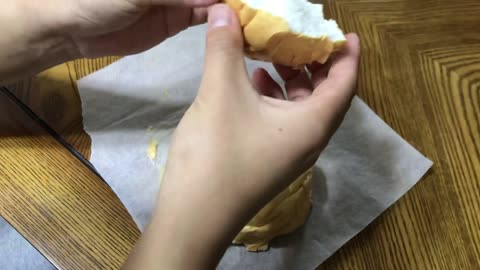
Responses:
[118,27]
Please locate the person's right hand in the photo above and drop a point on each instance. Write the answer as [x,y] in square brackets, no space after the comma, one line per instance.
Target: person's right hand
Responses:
[239,144]
[241,137]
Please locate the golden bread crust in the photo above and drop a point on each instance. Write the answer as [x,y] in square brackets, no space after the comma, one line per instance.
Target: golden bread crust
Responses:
[269,38]
[287,212]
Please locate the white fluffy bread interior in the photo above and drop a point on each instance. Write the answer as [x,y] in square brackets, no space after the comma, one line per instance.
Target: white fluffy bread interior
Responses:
[303,17]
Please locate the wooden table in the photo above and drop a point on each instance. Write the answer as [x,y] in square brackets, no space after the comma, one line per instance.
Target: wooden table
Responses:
[420,72]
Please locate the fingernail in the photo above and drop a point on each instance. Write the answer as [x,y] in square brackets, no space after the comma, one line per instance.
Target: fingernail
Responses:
[219,16]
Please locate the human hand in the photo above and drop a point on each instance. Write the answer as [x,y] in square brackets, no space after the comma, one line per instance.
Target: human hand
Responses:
[240,143]
[242,135]
[41,34]
[122,27]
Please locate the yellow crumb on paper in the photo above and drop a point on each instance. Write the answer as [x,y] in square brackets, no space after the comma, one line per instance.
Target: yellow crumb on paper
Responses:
[165,93]
[152,149]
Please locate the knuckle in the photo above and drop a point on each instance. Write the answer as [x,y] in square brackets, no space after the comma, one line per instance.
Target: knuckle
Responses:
[223,39]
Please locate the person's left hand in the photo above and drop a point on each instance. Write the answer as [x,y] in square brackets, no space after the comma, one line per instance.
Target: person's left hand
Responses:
[42,34]
[123,27]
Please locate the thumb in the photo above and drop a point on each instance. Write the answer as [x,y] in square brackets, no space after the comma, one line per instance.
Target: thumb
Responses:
[224,56]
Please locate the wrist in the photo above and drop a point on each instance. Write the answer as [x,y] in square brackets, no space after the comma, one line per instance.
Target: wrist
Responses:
[201,227]
[31,42]
[194,218]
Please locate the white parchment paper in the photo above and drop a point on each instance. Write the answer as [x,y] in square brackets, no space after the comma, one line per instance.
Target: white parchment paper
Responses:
[16,253]
[364,170]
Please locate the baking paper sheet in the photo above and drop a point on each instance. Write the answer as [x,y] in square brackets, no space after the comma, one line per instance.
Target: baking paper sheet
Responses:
[16,253]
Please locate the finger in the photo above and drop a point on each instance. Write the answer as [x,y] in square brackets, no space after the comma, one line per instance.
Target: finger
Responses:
[319,72]
[188,3]
[180,18]
[286,73]
[297,82]
[177,19]
[265,85]
[324,111]
[135,38]
[224,57]
[299,87]
[340,84]
[198,16]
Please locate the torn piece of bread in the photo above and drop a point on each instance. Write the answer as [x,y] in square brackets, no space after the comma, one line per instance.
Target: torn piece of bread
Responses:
[288,32]
[287,212]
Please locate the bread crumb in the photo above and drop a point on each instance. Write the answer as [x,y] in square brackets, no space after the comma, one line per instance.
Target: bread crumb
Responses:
[152,149]
[165,93]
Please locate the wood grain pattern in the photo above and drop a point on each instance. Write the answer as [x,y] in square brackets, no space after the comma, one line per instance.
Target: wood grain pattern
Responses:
[57,202]
[420,72]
